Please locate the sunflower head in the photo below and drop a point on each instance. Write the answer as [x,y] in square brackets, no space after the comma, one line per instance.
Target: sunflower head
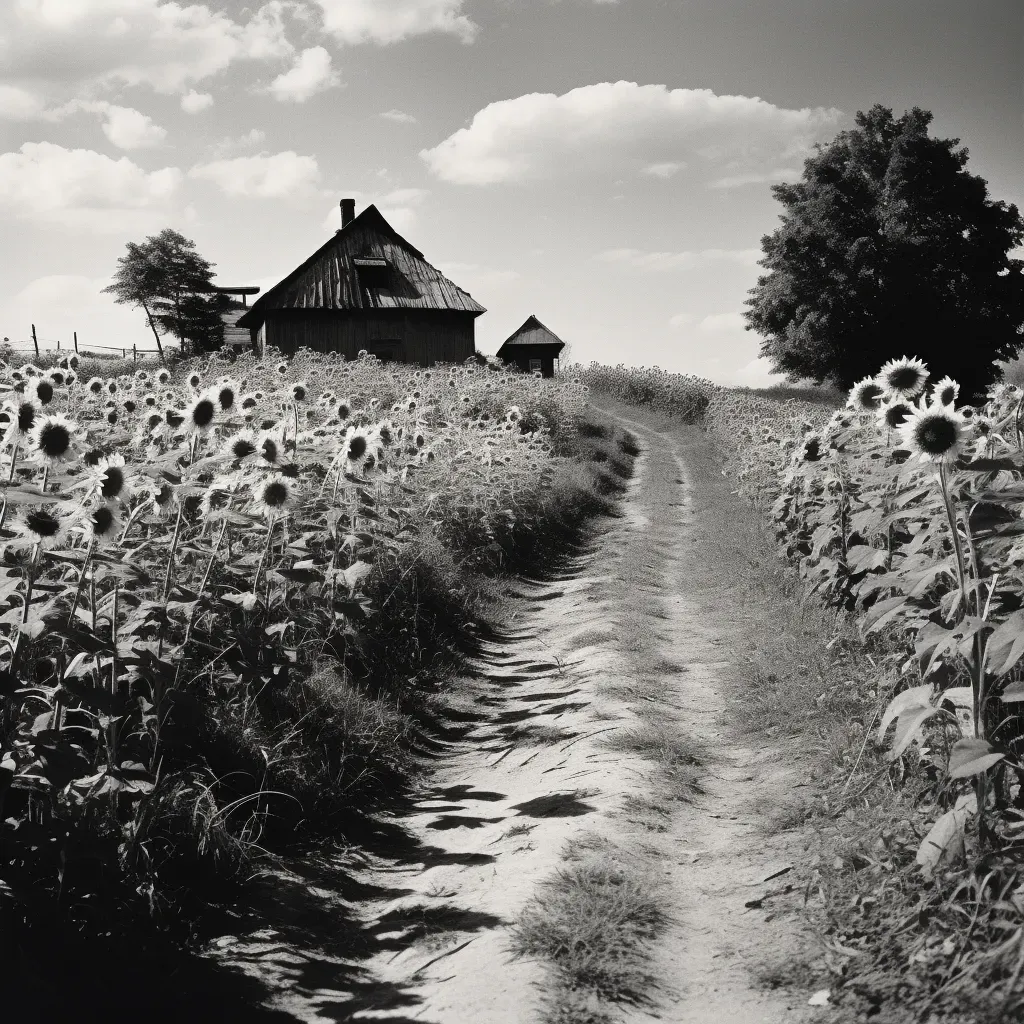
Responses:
[41,526]
[273,497]
[299,391]
[903,378]
[103,523]
[200,415]
[866,394]
[894,412]
[53,438]
[946,391]
[933,432]
[356,447]
[226,394]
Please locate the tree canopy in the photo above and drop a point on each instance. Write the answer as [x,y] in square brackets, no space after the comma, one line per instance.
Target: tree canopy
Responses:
[167,278]
[889,246]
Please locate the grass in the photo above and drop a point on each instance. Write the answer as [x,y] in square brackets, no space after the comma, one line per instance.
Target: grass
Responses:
[897,948]
[676,757]
[299,763]
[592,921]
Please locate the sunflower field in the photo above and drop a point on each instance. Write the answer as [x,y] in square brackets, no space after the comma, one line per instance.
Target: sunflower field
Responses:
[906,509]
[227,592]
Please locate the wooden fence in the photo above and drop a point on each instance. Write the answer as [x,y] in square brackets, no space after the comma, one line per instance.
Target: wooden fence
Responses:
[91,349]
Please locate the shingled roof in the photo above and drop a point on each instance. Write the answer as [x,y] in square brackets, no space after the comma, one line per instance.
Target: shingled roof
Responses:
[365,265]
[533,332]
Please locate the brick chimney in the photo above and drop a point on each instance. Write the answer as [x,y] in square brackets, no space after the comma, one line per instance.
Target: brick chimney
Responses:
[348,211]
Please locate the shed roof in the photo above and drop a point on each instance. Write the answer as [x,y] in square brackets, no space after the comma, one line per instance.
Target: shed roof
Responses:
[533,332]
[329,279]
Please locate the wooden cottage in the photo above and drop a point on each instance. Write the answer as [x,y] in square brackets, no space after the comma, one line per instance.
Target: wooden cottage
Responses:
[367,288]
[532,347]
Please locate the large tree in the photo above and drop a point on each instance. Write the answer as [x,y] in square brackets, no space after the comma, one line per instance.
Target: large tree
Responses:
[889,246]
[167,278]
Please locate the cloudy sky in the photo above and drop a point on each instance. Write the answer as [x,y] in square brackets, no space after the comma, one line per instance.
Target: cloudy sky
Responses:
[604,164]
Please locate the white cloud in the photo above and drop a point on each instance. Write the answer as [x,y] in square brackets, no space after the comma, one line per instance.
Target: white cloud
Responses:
[286,175]
[311,74]
[473,276]
[682,320]
[638,259]
[73,45]
[615,128]
[125,127]
[398,116]
[666,169]
[193,102]
[757,177]
[390,21]
[757,374]
[60,304]
[253,137]
[131,129]
[722,323]
[82,189]
[17,104]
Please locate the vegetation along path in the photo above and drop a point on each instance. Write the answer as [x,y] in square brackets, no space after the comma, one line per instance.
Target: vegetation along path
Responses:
[593,844]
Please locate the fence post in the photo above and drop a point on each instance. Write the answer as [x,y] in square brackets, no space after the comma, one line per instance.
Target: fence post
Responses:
[58,344]
[76,342]
[135,354]
[35,340]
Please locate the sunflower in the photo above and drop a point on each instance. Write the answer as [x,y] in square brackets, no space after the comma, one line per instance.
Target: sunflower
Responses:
[163,376]
[282,368]
[355,444]
[809,450]
[111,480]
[195,381]
[96,385]
[53,438]
[24,414]
[226,394]
[946,391]
[242,445]
[270,448]
[343,409]
[41,526]
[933,432]
[893,413]
[103,523]
[299,391]
[865,394]
[273,497]
[903,378]
[200,415]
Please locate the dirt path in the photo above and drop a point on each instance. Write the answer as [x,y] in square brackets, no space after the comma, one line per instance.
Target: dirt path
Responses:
[615,641]
[730,879]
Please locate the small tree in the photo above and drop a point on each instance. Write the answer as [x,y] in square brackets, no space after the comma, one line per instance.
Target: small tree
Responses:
[171,282]
[888,245]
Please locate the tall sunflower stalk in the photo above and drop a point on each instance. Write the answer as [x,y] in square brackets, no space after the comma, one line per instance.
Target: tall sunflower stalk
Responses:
[934,432]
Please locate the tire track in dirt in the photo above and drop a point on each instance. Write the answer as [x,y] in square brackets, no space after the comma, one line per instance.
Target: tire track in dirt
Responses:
[420,930]
[729,881]
[518,770]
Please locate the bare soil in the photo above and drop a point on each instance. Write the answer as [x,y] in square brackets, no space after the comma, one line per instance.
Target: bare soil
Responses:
[633,634]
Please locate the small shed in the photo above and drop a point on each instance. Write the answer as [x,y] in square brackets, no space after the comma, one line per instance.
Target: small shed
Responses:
[367,288]
[532,347]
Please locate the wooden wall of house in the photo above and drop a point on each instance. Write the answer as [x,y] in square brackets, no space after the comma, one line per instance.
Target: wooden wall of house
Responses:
[520,356]
[423,337]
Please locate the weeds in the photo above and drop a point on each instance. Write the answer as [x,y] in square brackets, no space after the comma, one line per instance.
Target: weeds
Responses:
[592,921]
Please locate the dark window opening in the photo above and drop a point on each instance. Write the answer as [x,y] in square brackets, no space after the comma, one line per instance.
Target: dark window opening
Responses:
[385,349]
[373,271]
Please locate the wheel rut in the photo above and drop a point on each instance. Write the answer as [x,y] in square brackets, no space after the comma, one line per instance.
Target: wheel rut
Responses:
[416,926]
